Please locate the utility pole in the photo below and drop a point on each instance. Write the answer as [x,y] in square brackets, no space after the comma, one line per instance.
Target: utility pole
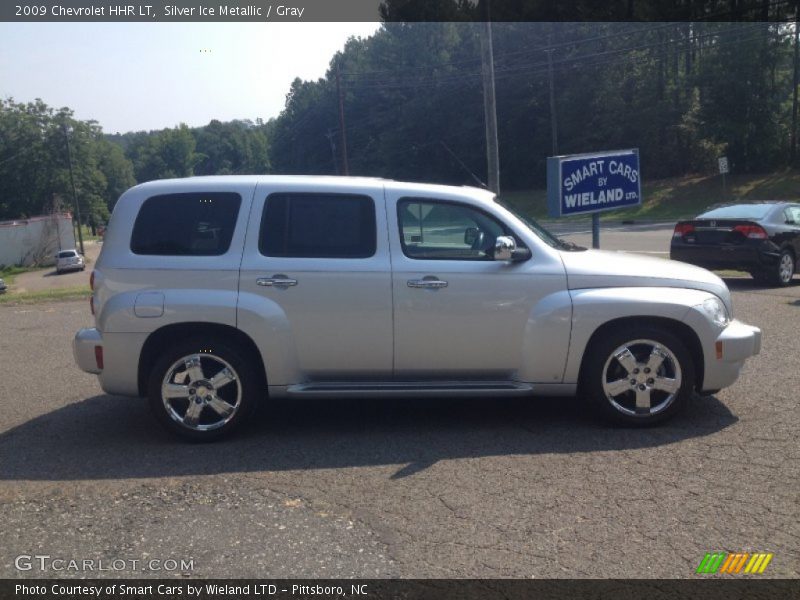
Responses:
[794,92]
[489,103]
[553,122]
[74,193]
[341,120]
[329,135]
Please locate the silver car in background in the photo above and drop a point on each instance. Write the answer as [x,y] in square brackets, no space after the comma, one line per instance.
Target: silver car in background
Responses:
[69,260]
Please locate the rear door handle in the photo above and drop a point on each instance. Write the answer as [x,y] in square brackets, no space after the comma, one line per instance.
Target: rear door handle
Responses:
[425,283]
[278,281]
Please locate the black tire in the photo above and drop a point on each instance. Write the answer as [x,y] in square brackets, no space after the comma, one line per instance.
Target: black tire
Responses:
[241,393]
[621,409]
[781,274]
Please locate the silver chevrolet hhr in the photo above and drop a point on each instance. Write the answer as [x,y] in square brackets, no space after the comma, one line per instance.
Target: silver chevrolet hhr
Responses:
[213,293]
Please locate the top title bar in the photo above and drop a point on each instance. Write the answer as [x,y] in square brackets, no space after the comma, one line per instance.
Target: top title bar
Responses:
[394,10]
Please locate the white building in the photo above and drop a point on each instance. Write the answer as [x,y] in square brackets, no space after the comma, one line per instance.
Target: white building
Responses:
[34,241]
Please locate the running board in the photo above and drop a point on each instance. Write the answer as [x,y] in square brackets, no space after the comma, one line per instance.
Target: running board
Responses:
[411,388]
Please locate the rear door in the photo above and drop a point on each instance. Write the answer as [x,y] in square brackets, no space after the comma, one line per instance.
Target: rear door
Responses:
[318,256]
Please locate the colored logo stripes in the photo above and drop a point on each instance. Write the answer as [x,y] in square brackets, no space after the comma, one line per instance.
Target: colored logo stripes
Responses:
[734,562]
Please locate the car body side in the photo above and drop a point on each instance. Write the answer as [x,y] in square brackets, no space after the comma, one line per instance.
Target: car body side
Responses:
[359,321]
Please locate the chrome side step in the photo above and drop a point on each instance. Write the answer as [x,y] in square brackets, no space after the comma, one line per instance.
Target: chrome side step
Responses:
[411,388]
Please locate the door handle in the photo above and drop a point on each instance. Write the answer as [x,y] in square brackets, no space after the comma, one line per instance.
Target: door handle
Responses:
[429,284]
[278,281]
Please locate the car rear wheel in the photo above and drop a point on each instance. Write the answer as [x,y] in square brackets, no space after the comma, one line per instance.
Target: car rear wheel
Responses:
[203,390]
[783,272]
[638,376]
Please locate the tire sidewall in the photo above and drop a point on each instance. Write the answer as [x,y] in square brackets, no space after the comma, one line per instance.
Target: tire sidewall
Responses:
[241,363]
[599,352]
[777,272]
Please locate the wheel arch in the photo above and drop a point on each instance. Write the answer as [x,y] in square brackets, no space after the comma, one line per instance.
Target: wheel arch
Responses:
[168,334]
[683,331]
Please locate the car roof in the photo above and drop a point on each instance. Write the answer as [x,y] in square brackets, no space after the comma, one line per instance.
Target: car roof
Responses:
[345,182]
[751,203]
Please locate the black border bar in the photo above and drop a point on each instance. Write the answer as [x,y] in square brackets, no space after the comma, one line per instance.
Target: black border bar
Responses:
[153,11]
[710,588]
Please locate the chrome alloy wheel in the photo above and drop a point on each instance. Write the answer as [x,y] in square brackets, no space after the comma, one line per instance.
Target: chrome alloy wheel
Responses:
[641,377]
[201,392]
[786,268]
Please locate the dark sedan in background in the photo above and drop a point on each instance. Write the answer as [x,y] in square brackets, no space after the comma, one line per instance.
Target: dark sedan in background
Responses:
[762,238]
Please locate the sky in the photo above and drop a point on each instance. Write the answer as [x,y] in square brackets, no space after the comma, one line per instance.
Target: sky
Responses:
[143,76]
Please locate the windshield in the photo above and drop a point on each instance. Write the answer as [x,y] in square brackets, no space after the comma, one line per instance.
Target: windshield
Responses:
[738,211]
[536,228]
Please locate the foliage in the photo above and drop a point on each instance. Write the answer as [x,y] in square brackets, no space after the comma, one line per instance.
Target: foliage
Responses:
[683,93]
[34,163]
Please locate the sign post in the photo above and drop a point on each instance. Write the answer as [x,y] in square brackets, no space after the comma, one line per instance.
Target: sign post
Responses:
[580,184]
[723,169]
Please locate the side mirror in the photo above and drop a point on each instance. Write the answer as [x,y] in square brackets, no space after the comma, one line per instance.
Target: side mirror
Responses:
[471,235]
[505,248]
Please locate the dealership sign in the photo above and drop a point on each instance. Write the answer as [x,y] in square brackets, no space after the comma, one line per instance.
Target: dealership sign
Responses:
[589,183]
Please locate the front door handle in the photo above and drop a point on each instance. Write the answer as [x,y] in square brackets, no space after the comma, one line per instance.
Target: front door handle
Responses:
[278,281]
[428,283]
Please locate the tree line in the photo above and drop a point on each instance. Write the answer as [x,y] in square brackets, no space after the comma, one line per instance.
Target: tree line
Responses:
[35,158]
[683,93]
[408,103]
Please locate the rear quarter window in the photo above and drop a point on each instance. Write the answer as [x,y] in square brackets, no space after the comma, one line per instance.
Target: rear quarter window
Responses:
[190,224]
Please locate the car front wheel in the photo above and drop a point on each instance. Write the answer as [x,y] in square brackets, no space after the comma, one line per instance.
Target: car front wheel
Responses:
[639,376]
[203,389]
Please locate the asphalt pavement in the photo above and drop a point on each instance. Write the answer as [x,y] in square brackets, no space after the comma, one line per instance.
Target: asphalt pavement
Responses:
[398,488]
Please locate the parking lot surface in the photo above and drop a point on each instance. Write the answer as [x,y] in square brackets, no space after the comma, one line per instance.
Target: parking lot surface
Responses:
[411,488]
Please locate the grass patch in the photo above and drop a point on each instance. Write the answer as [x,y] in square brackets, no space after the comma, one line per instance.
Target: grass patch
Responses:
[8,274]
[87,236]
[680,197]
[54,295]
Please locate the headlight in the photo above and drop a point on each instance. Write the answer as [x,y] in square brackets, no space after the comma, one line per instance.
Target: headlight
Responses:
[716,311]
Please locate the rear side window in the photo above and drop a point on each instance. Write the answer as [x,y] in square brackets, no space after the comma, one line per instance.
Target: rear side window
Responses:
[194,224]
[739,211]
[318,226]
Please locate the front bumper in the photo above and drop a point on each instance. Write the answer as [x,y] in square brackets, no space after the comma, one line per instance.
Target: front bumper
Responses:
[85,349]
[733,346]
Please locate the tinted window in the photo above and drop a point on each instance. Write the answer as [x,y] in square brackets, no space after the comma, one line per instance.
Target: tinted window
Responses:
[318,226]
[186,224]
[67,254]
[738,211]
[432,229]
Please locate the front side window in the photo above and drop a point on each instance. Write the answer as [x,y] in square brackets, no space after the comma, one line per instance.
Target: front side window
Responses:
[192,224]
[440,230]
[318,225]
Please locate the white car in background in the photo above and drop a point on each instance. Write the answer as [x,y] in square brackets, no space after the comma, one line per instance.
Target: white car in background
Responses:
[69,260]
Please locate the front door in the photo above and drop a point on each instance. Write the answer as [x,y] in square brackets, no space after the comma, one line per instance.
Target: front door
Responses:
[459,314]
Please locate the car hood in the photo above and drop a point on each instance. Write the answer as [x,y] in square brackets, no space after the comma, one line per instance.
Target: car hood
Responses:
[601,268]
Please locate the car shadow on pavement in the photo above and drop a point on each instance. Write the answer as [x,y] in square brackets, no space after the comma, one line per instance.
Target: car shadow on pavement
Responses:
[108,437]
